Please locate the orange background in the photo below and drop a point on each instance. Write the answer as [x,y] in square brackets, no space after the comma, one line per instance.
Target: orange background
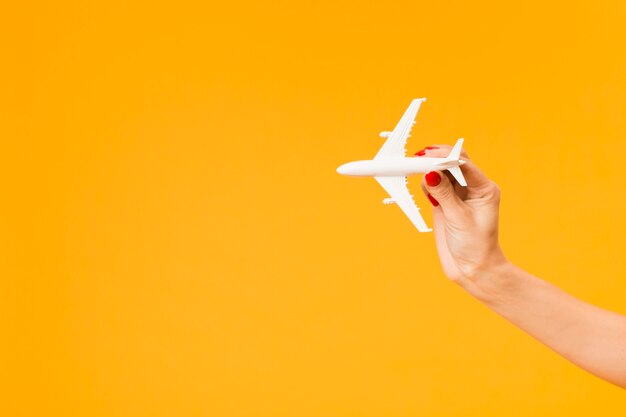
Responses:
[175,241]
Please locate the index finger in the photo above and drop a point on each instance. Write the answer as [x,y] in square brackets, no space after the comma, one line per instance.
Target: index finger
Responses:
[475,178]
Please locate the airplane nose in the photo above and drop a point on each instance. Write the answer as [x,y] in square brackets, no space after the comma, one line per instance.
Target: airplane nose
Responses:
[342,169]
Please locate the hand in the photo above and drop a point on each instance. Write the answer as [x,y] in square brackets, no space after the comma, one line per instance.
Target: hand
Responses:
[466,232]
[465,220]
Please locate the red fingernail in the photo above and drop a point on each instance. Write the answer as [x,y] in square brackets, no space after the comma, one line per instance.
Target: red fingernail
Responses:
[420,153]
[433,179]
[432,200]
[432,147]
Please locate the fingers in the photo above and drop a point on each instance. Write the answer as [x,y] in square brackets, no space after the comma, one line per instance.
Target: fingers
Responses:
[473,175]
[440,191]
[439,151]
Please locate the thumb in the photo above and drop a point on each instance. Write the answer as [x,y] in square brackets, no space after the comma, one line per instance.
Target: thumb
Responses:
[442,190]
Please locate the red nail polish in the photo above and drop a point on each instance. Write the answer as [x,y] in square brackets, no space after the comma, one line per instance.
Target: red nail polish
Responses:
[420,153]
[432,200]
[433,179]
[432,147]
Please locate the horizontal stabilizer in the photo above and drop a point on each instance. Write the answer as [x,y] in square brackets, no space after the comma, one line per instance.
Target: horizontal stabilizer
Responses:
[458,175]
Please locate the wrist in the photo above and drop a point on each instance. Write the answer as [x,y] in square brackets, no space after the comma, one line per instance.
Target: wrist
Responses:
[494,282]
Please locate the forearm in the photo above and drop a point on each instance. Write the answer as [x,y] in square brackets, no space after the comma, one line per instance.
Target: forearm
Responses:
[590,337]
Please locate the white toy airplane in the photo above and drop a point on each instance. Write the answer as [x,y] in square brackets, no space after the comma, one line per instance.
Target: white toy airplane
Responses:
[390,166]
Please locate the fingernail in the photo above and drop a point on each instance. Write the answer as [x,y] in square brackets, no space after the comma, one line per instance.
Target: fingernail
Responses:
[433,179]
[420,153]
[432,147]
[432,200]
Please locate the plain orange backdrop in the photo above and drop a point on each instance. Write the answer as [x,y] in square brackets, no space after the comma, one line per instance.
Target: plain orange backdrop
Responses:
[175,241]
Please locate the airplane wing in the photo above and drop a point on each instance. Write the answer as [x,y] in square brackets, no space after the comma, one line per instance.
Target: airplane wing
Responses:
[394,146]
[398,191]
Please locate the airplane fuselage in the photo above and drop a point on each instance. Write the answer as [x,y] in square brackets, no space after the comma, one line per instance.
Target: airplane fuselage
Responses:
[390,166]
[395,167]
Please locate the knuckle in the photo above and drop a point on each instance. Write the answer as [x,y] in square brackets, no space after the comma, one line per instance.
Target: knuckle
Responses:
[496,191]
[444,191]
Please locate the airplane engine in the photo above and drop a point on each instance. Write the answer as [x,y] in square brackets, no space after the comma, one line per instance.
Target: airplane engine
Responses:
[385,134]
[389,201]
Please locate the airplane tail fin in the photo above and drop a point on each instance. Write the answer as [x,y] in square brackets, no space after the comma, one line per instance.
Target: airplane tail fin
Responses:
[453,162]
[455,153]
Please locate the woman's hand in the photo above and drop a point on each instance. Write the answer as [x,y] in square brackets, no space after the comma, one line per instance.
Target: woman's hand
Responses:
[466,231]
[465,220]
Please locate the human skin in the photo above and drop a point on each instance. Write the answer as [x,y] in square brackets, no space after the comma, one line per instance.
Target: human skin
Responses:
[466,235]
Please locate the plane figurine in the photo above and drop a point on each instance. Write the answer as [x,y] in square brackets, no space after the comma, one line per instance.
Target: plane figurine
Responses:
[390,167]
